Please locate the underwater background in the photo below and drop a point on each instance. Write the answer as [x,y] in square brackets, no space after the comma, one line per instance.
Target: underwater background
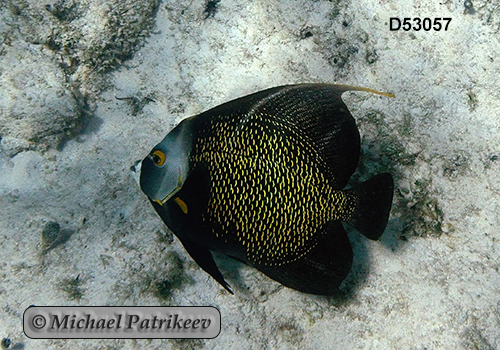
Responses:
[88,88]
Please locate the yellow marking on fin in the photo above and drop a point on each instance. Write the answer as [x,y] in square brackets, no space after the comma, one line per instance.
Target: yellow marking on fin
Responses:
[181,204]
[159,201]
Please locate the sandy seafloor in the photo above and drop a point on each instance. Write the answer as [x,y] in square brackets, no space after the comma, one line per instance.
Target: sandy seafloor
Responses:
[431,282]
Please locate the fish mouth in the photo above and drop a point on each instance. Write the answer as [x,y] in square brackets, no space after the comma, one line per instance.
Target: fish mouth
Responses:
[135,171]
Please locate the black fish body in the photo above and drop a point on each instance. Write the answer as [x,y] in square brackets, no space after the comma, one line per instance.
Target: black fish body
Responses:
[261,179]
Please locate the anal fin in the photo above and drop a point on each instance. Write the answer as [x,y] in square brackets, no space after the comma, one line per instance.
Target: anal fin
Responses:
[323,268]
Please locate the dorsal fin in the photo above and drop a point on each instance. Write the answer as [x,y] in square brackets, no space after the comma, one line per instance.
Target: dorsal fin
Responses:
[318,112]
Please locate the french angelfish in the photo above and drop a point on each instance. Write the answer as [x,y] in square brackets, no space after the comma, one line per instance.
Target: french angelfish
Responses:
[261,179]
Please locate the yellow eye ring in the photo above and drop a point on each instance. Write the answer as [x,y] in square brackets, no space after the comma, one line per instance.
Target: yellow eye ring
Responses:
[158,157]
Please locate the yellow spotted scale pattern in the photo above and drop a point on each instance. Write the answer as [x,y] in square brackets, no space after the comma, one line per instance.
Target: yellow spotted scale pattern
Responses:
[266,187]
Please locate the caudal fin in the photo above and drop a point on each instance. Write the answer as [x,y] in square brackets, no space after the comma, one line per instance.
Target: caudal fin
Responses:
[372,201]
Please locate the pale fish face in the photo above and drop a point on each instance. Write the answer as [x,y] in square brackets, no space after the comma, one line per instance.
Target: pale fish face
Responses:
[165,169]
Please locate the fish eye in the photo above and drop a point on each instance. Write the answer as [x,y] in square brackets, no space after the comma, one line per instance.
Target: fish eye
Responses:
[158,157]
